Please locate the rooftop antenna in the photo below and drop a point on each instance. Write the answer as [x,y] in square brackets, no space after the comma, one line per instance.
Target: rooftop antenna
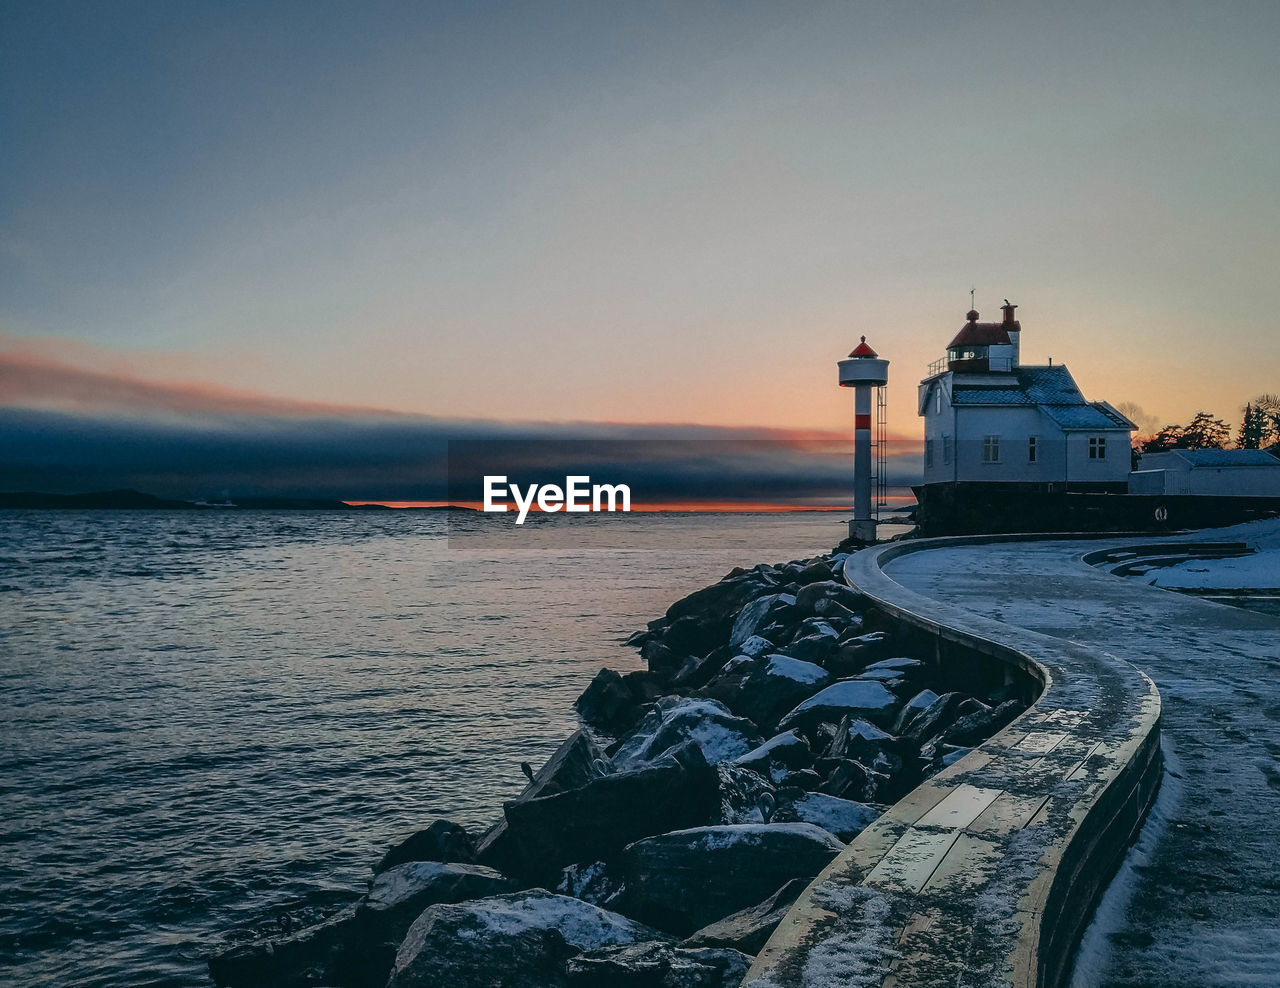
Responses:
[971,291]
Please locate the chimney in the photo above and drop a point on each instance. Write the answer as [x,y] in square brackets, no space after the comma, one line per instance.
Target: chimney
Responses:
[1014,329]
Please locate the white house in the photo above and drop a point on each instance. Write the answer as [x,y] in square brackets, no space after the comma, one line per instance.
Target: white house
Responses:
[991,420]
[1221,472]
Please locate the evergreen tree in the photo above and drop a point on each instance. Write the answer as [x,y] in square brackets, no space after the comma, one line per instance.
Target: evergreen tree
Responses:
[1269,406]
[1254,428]
[1205,432]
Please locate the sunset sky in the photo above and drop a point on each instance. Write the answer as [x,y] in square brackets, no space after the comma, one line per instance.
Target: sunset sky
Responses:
[623,213]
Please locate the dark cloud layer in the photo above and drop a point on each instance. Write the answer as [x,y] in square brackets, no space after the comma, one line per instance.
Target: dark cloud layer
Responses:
[412,459]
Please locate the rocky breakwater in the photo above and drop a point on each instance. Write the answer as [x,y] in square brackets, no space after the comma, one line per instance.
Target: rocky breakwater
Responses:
[775,718]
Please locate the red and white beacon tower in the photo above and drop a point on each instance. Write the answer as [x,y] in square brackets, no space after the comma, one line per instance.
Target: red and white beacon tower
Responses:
[863,370]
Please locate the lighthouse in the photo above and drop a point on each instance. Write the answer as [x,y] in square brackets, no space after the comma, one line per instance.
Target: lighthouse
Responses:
[863,370]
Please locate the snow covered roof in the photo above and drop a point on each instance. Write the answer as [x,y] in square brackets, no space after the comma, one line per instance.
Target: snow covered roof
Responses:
[1081,417]
[1227,457]
[1052,389]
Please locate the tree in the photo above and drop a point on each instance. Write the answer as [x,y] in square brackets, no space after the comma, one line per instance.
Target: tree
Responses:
[1269,406]
[1170,437]
[1254,428]
[1205,432]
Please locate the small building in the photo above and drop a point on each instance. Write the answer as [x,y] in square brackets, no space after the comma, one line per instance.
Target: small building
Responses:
[991,420]
[1217,472]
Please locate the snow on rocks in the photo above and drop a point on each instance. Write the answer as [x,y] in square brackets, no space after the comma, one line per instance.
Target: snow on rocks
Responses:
[843,818]
[518,941]
[777,684]
[780,755]
[760,614]
[674,721]
[869,700]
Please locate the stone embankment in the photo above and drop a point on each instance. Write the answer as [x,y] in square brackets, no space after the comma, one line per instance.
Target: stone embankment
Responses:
[778,717]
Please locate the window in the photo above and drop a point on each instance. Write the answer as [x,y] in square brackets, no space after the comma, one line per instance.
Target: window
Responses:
[937,401]
[946,449]
[990,449]
[1033,449]
[1097,447]
[928,452]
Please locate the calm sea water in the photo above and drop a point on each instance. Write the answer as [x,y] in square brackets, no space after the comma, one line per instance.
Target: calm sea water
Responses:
[208,717]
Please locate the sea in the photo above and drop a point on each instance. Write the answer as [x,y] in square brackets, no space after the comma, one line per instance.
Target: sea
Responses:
[215,722]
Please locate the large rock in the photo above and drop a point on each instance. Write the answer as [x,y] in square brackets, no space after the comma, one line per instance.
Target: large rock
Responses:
[857,651]
[776,685]
[660,658]
[675,721]
[813,640]
[685,880]
[507,941]
[596,882]
[595,820]
[851,779]
[308,957]
[857,698]
[978,725]
[917,705]
[809,598]
[721,601]
[658,965]
[755,646]
[576,762]
[694,634]
[749,929]
[745,796]
[760,614]
[444,840]
[856,738]
[396,898]
[780,755]
[935,718]
[608,704]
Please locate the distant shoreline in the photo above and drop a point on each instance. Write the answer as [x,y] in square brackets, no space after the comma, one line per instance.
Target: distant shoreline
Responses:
[129,500]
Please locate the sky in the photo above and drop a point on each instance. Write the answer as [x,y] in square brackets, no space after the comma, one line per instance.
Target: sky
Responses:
[223,216]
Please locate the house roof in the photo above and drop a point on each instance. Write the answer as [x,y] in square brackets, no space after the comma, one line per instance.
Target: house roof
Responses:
[1053,390]
[982,334]
[1092,417]
[1227,457]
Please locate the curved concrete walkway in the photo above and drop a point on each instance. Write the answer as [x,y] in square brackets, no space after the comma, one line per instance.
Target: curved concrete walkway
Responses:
[987,872]
[1206,906]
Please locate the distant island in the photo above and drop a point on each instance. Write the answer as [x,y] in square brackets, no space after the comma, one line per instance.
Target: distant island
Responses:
[137,500]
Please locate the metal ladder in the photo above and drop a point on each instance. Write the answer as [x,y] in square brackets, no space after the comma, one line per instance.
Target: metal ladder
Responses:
[880,455]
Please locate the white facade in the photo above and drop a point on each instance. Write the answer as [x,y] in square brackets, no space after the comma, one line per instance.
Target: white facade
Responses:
[989,419]
[1219,472]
